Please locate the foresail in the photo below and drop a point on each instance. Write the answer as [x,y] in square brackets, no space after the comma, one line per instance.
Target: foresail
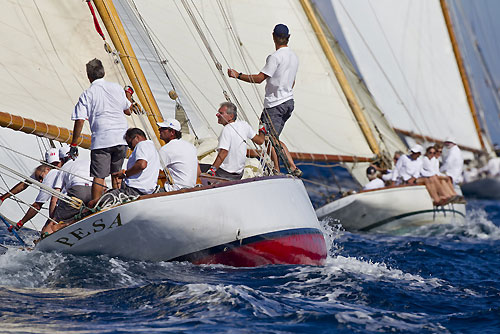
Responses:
[45,46]
[238,33]
[403,52]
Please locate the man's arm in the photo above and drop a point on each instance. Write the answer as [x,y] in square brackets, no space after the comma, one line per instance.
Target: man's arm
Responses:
[32,211]
[77,131]
[220,158]
[14,190]
[53,204]
[127,112]
[258,139]
[251,78]
[138,167]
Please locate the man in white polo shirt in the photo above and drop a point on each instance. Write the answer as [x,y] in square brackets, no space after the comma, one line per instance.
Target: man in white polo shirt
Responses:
[230,160]
[279,73]
[105,105]
[179,156]
[453,162]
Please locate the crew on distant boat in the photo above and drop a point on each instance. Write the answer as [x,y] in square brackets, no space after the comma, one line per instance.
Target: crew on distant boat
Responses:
[105,105]
[492,168]
[453,161]
[49,176]
[179,156]
[408,167]
[143,167]
[230,160]
[375,181]
[279,72]
[387,173]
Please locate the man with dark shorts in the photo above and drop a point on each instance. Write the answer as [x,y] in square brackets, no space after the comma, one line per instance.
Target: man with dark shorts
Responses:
[105,105]
[279,72]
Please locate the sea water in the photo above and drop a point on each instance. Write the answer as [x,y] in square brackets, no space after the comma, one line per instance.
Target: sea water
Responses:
[439,279]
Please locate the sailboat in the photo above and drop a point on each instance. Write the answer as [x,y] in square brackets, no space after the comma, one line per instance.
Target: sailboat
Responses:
[421,111]
[255,221]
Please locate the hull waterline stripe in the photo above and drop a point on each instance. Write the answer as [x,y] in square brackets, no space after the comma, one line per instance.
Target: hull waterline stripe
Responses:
[408,214]
[239,250]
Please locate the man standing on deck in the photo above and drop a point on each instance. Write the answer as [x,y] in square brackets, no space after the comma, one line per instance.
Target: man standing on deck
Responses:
[453,162]
[105,105]
[279,72]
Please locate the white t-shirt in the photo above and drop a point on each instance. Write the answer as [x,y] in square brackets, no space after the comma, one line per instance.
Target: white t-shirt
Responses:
[374,184]
[453,164]
[146,180]
[180,157]
[406,168]
[234,138]
[103,104]
[429,166]
[48,181]
[494,167]
[281,67]
[73,173]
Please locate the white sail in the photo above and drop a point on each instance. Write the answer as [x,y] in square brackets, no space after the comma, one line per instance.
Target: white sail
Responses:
[404,54]
[322,121]
[45,46]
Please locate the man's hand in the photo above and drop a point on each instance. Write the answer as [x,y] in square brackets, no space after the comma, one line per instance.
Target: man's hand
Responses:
[16,227]
[73,151]
[120,174]
[212,171]
[232,73]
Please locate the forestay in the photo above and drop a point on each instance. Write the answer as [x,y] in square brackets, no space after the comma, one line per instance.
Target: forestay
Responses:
[322,121]
[404,54]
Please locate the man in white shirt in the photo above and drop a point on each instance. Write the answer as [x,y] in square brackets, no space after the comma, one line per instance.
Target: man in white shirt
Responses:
[230,160]
[105,105]
[279,72]
[408,167]
[375,181]
[453,162]
[179,156]
[143,166]
[48,176]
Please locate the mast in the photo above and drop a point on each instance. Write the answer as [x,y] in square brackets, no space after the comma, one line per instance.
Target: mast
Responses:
[461,68]
[339,73]
[41,129]
[109,16]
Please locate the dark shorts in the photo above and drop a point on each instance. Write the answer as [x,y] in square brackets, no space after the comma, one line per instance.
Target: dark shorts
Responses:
[231,176]
[105,161]
[65,211]
[277,115]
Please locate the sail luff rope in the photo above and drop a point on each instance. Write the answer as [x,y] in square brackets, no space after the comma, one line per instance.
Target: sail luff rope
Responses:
[218,65]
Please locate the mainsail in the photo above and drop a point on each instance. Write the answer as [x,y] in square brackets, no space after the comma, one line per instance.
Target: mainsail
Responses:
[404,54]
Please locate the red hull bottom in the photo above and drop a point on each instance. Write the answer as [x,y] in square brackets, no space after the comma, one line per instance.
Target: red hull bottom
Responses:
[302,246]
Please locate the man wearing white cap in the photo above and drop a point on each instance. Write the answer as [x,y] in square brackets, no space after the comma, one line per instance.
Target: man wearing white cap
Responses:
[49,177]
[408,167]
[453,162]
[178,155]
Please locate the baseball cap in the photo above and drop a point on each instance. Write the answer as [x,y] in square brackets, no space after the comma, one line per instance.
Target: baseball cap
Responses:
[63,151]
[170,123]
[371,170]
[417,148]
[52,155]
[281,30]
[129,90]
[450,139]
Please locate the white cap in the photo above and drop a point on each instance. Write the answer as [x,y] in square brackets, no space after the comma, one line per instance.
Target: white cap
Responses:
[417,149]
[52,155]
[170,123]
[63,151]
[450,139]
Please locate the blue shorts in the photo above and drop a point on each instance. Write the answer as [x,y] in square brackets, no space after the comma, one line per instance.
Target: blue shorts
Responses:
[274,118]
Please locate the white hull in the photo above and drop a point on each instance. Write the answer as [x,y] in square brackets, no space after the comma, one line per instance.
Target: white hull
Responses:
[390,210]
[198,225]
